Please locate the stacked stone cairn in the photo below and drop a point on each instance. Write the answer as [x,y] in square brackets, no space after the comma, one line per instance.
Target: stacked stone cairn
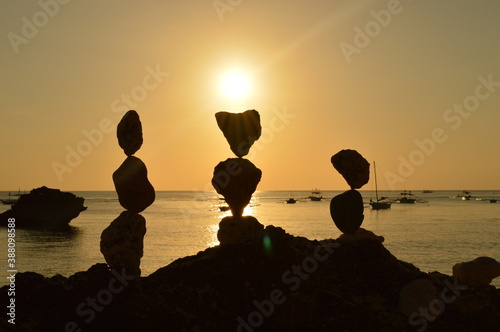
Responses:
[237,178]
[346,209]
[122,241]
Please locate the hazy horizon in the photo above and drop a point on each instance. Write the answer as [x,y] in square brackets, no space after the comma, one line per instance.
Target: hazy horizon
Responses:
[411,85]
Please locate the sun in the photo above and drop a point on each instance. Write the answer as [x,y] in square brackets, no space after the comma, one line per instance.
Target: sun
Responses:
[235,85]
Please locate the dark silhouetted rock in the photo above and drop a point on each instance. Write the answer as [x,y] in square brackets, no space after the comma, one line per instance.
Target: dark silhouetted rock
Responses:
[353,167]
[129,133]
[298,284]
[240,129]
[135,192]
[360,234]
[122,242]
[346,210]
[238,229]
[236,179]
[479,272]
[415,295]
[44,208]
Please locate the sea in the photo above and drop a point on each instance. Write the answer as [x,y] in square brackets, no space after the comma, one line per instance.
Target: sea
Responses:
[434,234]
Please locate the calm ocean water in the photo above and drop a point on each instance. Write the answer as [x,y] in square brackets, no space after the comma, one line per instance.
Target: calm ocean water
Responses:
[433,234]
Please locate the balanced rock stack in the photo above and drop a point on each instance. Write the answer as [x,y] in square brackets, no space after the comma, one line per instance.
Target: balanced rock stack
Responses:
[123,240]
[237,178]
[346,209]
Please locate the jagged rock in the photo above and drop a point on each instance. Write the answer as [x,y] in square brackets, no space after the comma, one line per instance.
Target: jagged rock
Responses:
[238,229]
[122,242]
[278,281]
[44,208]
[360,234]
[346,210]
[236,179]
[479,272]
[240,129]
[129,133]
[416,295]
[135,192]
[353,167]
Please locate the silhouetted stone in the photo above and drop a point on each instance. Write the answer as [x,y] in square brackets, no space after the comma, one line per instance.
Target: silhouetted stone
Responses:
[415,296]
[129,133]
[479,272]
[238,229]
[360,234]
[346,210]
[135,192]
[353,167]
[236,179]
[240,129]
[122,242]
[298,285]
[44,208]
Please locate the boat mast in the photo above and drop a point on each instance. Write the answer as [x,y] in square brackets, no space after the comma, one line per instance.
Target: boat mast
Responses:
[376,187]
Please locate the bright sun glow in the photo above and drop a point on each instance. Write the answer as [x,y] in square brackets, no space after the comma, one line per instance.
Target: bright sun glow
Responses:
[235,85]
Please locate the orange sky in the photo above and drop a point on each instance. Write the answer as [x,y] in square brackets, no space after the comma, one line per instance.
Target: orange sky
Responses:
[414,85]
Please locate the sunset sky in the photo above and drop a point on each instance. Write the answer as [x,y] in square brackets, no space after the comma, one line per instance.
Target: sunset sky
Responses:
[412,85]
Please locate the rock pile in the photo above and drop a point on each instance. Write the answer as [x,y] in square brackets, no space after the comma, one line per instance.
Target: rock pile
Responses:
[346,209]
[237,178]
[123,240]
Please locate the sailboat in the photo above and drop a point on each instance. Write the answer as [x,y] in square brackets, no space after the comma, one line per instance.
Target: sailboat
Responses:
[378,204]
[493,200]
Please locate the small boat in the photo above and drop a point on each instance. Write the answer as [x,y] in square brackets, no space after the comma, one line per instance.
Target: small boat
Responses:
[493,200]
[316,195]
[10,200]
[405,199]
[224,208]
[427,191]
[378,204]
[291,200]
[465,195]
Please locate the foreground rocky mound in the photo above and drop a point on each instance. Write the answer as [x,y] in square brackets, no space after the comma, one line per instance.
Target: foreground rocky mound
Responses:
[277,282]
[44,208]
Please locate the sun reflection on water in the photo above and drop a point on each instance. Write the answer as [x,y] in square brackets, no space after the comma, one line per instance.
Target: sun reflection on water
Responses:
[212,238]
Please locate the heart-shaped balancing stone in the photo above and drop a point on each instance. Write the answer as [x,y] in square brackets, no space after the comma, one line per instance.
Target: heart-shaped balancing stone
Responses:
[240,129]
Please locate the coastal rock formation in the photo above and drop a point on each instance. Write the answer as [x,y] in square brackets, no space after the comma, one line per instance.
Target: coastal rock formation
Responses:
[277,282]
[354,168]
[129,133]
[240,129]
[346,210]
[44,208]
[236,179]
[479,272]
[135,192]
[237,229]
[122,242]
